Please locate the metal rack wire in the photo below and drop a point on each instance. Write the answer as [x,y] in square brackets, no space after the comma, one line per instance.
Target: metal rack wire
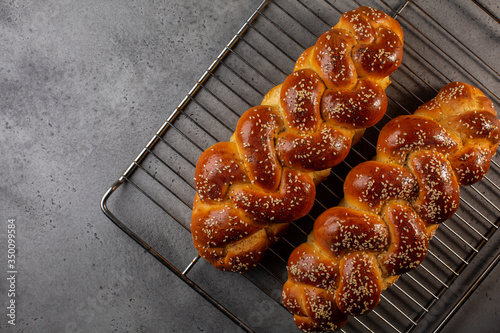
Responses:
[259,57]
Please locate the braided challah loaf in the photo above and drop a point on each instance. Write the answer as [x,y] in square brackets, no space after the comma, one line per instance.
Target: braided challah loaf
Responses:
[250,188]
[391,208]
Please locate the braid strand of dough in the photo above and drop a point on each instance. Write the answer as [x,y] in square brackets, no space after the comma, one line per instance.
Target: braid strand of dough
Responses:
[251,188]
[391,208]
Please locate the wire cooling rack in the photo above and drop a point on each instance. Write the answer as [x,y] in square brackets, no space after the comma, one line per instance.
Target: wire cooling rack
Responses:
[151,201]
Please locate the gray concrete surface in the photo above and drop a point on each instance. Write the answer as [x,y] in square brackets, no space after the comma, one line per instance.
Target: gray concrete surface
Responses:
[83,86]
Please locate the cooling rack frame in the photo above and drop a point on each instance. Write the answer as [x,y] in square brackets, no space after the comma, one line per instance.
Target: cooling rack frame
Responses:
[231,50]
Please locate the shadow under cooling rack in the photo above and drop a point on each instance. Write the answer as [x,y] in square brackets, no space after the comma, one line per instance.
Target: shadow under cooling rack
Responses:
[152,199]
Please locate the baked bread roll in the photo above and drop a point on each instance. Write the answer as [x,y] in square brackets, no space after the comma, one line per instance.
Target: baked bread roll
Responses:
[250,188]
[391,208]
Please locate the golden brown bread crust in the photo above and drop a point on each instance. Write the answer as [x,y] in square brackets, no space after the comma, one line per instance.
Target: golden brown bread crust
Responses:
[391,208]
[251,188]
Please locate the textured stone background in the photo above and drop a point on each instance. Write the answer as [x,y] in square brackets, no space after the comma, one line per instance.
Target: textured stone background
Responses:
[83,86]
